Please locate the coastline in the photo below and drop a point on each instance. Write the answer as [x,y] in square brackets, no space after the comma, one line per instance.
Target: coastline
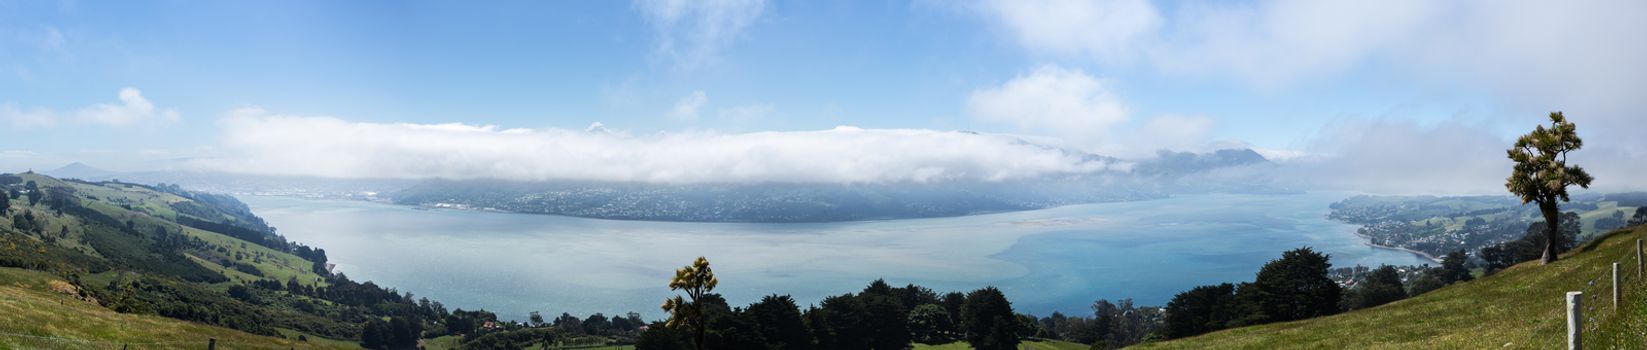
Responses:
[467,207]
[1368,241]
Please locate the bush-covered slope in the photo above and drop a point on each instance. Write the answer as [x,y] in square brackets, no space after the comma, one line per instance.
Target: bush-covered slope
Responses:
[42,311]
[191,256]
[1522,307]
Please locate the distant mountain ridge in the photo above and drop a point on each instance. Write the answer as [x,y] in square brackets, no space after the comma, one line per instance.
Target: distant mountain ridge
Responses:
[78,170]
[766,202]
[1167,174]
[1170,163]
[1171,173]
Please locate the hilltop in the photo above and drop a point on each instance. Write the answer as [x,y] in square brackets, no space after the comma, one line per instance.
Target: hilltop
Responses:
[1519,308]
[78,170]
[129,263]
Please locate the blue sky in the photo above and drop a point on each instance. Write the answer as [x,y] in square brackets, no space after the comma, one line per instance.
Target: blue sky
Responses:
[1120,77]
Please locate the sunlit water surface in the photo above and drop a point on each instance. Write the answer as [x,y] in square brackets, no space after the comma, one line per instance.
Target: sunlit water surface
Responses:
[1044,260]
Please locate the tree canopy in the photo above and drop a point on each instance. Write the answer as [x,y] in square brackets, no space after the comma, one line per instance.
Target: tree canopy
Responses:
[1381,286]
[696,280]
[1541,173]
[1295,287]
[1200,310]
[988,320]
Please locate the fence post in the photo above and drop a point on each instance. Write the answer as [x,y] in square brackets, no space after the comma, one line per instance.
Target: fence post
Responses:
[211,344]
[1615,286]
[1638,258]
[1574,299]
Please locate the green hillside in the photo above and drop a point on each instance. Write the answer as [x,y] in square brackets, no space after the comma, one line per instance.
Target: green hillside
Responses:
[144,206]
[96,262]
[1522,307]
[1026,345]
[41,311]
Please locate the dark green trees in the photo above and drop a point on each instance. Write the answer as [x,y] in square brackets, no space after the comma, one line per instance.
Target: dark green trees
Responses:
[1640,217]
[1541,173]
[927,324]
[988,320]
[1381,286]
[1200,310]
[952,302]
[397,333]
[569,323]
[35,194]
[374,335]
[1127,323]
[1290,288]
[659,336]
[873,319]
[842,325]
[886,318]
[404,333]
[778,320]
[597,324]
[1295,287]
[1453,269]
[1495,258]
[1532,244]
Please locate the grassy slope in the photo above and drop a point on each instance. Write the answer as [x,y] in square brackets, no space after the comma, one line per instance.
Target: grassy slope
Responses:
[38,318]
[25,299]
[150,207]
[1522,307]
[447,342]
[1028,345]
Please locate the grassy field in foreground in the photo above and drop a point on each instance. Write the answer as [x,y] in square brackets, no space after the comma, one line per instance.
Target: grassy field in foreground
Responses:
[1028,345]
[32,316]
[1522,307]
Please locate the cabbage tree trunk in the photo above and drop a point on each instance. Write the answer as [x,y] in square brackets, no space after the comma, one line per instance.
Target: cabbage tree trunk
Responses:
[1552,229]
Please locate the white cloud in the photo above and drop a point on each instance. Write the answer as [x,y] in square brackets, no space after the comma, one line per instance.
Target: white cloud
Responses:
[1176,132]
[1083,112]
[1395,156]
[1583,51]
[1278,42]
[1280,155]
[1614,168]
[1527,57]
[38,117]
[1451,157]
[686,108]
[692,32]
[133,109]
[1053,100]
[1105,28]
[1456,156]
[256,141]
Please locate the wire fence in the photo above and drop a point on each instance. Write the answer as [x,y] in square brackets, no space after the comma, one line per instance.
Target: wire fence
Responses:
[1604,290]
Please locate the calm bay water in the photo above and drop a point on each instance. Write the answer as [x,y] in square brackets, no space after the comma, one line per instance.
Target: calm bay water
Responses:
[1055,259]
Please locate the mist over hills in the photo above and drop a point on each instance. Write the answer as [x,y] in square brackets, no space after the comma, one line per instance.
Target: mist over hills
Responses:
[1230,170]
[79,170]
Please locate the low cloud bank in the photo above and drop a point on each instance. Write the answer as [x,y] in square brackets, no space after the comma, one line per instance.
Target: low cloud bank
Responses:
[1390,156]
[256,141]
[1452,157]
